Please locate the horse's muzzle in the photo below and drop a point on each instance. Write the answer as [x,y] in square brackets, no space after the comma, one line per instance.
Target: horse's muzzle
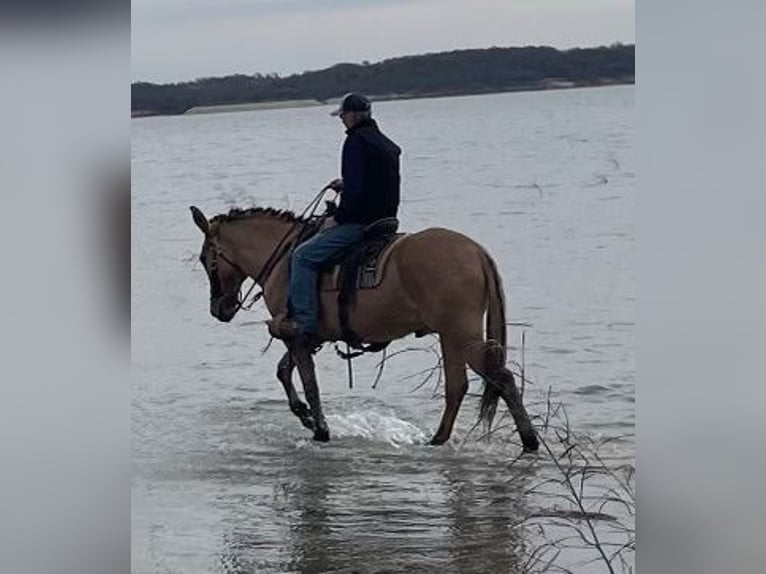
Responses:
[224,308]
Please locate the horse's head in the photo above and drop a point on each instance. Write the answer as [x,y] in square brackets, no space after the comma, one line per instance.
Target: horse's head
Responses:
[225,275]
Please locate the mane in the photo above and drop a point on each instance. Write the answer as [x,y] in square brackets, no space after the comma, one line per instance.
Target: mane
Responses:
[236,214]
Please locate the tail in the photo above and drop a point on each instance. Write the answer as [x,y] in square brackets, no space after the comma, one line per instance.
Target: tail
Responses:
[496,337]
[496,329]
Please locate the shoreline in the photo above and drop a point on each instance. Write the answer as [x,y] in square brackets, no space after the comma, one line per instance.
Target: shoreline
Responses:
[251,106]
[547,85]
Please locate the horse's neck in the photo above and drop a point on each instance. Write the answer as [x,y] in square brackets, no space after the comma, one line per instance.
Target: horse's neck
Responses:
[253,241]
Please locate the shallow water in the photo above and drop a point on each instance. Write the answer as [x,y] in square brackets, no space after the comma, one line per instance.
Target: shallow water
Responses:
[225,479]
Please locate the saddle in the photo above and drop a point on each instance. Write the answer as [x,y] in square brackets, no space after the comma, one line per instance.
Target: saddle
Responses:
[362,266]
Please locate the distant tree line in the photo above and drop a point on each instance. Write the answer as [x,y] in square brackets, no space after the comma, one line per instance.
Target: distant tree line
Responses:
[444,73]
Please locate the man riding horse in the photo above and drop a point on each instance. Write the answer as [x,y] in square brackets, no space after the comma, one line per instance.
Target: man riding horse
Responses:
[369,191]
[436,281]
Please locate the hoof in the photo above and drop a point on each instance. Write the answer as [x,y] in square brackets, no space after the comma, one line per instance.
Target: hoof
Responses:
[322,435]
[530,444]
[436,441]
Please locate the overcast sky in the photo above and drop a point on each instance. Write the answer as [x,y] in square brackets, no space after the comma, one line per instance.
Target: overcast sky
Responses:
[176,40]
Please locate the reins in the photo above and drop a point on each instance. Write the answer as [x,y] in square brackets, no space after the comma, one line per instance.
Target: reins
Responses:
[276,255]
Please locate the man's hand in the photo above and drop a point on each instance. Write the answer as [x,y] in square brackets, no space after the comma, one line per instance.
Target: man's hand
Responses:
[336,185]
[328,223]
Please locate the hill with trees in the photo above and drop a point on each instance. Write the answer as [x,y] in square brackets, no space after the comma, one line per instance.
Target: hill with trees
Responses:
[459,72]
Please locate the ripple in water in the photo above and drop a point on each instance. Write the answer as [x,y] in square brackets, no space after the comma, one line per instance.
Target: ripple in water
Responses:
[372,425]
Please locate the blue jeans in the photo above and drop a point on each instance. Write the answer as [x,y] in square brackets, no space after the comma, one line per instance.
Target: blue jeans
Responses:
[305,265]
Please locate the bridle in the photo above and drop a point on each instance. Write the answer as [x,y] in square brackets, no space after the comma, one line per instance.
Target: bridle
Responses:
[214,253]
[216,289]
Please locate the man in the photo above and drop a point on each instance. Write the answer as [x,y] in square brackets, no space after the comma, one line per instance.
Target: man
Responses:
[369,190]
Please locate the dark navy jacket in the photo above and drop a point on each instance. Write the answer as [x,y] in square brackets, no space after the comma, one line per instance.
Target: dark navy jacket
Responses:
[370,171]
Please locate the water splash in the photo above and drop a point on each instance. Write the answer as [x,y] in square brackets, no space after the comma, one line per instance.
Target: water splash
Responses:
[375,426]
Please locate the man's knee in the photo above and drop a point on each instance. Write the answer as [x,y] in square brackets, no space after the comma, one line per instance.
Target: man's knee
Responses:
[309,255]
[304,261]
[299,255]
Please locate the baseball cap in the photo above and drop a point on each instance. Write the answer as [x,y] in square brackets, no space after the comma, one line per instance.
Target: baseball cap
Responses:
[353,103]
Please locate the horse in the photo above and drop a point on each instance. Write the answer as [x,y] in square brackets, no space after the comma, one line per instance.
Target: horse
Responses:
[436,281]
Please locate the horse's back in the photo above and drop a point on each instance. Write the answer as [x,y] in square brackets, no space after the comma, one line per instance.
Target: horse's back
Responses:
[441,265]
[436,247]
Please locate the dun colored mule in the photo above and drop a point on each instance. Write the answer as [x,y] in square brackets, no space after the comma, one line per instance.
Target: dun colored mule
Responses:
[436,281]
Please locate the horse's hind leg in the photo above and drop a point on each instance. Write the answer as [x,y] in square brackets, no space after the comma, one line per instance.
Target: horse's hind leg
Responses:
[297,406]
[487,360]
[455,387]
[305,363]
[512,398]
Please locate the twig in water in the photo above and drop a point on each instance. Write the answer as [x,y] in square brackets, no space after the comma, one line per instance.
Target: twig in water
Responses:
[523,362]
[380,370]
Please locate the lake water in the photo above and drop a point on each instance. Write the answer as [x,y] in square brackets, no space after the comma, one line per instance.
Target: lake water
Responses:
[225,479]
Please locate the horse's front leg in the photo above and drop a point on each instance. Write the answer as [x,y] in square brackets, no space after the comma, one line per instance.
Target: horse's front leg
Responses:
[297,406]
[305,363]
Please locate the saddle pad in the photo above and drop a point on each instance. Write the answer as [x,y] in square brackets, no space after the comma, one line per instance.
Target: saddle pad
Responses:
[371,272]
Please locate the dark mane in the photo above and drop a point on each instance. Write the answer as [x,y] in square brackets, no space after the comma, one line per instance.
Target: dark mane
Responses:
[237,214]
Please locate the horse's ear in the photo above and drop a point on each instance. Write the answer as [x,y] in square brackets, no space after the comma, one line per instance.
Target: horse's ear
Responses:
[200,220]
